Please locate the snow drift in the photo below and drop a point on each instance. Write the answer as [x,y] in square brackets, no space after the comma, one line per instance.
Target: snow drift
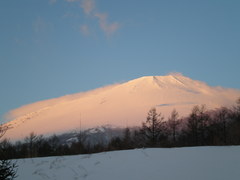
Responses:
[198,163]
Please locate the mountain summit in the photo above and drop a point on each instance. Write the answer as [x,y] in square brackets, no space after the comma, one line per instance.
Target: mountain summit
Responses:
[124,104]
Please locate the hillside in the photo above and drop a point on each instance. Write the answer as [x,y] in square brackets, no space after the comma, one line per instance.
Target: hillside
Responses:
[119,105]
[198,163]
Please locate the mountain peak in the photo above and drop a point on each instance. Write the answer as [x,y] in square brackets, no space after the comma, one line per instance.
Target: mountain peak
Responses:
[169,77]
[168,81]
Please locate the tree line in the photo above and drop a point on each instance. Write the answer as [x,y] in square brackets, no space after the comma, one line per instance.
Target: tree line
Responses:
[201,127]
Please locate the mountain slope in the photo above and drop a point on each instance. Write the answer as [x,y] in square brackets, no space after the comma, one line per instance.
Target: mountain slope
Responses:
[122,105]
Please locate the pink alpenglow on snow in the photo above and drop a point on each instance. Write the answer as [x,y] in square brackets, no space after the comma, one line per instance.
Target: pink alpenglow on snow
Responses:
[117,105]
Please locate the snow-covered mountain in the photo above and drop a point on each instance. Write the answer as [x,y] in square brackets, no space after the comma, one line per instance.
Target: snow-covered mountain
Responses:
[93,136]
[119,105]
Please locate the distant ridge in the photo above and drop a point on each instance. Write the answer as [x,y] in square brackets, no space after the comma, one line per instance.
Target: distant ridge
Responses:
[118,105]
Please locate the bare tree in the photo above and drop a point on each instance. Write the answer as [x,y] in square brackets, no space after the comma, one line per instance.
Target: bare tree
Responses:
[127,139]
[54,143]
[237,110]
[197,124]
[153,127]
[31,142]
[222,118]
[173,124]
[238,103]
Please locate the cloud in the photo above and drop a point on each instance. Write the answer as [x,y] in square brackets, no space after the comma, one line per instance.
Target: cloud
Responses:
[71,0]
[175,104]
[87,6]
[85,30]
[108,28]
[52,1]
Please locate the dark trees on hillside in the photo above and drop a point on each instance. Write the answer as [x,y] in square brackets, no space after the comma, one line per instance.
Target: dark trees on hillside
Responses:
[173,125]
[221,122]
[7,167]
[234,127]
[197,123]
[201,127]
[79,147]
[154,127]
[33,142]
[237,111]
[127,139]
[54,143]
[116,143]
[126,142]
[138,139]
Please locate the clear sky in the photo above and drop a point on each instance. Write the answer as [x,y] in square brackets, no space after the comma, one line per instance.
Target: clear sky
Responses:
[50,48]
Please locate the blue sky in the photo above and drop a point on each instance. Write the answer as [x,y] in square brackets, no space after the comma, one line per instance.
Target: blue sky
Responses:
[51,48]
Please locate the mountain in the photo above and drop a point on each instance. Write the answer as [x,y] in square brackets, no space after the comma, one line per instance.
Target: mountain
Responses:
[92,136]
[119,105]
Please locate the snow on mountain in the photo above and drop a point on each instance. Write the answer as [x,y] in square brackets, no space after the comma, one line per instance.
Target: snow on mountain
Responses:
[93,136]
[120,105]
[198,163]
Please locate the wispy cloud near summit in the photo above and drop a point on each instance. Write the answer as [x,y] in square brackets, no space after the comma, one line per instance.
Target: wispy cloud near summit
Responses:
[71,0]
[101,18]
[108,28]
[88,6]
[52,1]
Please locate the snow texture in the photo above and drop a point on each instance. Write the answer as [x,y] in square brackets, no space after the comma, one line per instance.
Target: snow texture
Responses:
[198,163]
[119,105]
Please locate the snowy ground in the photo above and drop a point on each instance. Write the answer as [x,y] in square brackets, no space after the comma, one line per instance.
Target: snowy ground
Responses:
[198,163]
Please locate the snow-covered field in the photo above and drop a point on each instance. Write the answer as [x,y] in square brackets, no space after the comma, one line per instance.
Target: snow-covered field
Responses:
[197,163]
